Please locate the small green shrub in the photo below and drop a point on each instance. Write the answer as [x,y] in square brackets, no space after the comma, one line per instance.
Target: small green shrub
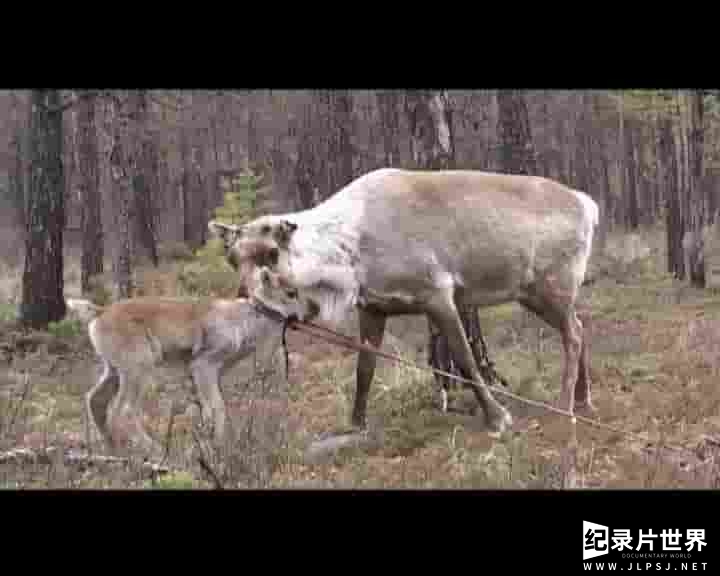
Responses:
[65,328]
[7,312]
[209,274]
[240,199]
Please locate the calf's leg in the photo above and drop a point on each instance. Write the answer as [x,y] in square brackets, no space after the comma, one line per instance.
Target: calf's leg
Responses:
[99,398]
[206,378]
[128,400]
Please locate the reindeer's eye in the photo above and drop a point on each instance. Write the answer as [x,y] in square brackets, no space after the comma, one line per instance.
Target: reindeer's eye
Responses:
[265,230]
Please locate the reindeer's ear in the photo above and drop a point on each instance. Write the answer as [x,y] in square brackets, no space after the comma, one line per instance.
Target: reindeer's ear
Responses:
[283,232]
[224,232]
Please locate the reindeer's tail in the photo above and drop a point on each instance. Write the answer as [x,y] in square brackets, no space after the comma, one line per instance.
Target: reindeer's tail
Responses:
[86,310]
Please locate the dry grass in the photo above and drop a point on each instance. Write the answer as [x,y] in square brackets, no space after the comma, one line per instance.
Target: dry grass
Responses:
[654,366]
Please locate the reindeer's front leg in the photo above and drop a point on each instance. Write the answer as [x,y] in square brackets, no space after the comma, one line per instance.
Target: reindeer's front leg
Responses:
[444,313]
[372,330]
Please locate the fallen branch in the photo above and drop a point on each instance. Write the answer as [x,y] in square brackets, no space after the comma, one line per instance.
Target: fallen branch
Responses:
[328,447]
[73,457]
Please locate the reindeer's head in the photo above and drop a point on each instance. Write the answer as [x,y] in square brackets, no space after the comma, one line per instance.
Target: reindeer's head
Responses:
[258,243]
[268,242]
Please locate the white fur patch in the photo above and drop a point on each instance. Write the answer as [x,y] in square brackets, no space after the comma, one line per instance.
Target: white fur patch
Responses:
[592,220]
[592,210]
[335,306]
[84,309]
[92,333]
[321,254]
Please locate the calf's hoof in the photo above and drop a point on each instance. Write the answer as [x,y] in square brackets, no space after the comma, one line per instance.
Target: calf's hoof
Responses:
[499,422]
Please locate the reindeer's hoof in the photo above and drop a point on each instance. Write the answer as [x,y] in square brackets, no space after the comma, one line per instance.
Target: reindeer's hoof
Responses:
[585,408]
[358,424]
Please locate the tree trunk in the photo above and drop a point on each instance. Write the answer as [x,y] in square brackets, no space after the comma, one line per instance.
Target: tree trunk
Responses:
[632,216]
[17,172]
[517,150]
[697,137]
[431,139]
[305,174]
[121,170]
[184,196]
[654,183]
[388,105]
[145,178]
[314,155]
[90,216]
[342,114]
[217,196]
[428,115]
[698,203]
[190,201]
[201,212]
[672,197]
[42,291]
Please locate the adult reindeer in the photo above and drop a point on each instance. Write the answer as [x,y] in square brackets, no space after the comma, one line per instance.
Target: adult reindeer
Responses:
[396,242]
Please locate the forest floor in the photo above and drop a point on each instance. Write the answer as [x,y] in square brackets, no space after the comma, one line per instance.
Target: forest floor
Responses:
[654,373]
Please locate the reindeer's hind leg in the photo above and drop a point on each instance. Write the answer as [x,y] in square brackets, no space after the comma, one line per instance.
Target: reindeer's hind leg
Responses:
[558,310]
[583,401]
[372,330]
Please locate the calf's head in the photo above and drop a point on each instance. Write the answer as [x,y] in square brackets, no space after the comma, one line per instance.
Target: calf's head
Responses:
[274,291]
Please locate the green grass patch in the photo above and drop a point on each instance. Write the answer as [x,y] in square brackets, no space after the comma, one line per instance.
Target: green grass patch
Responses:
[7,312]
[174,481]
[66,328]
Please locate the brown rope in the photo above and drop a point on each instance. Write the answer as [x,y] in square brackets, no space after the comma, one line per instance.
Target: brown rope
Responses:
[351,343]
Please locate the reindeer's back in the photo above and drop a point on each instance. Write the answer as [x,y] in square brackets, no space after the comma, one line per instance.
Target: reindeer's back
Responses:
[472,224]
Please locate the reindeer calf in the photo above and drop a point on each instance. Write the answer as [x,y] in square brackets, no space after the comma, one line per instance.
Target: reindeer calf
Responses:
[206,338]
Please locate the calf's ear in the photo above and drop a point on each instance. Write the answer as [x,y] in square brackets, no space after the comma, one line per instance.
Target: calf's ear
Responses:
[283,231]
